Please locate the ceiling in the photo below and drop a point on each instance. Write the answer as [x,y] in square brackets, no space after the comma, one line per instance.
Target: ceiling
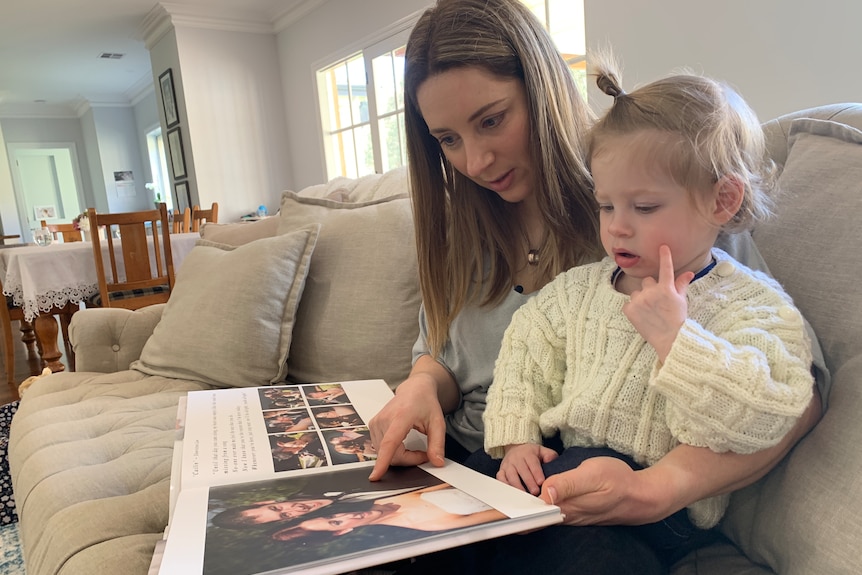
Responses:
[50,50]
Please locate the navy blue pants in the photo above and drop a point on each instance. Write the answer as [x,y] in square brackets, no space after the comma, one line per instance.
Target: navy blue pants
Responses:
[561,549]
[671,538]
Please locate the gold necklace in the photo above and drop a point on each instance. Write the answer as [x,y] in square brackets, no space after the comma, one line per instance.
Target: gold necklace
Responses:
[533,253]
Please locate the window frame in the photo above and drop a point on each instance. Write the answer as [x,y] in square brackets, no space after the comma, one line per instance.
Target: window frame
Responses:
[386,40]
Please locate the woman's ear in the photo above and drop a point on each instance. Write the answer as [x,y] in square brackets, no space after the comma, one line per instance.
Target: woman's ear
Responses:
[729,193]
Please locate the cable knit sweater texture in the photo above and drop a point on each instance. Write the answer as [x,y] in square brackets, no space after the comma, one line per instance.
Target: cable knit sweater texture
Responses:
[737,377]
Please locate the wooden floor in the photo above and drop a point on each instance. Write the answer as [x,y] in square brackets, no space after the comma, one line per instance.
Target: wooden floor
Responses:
[24,366]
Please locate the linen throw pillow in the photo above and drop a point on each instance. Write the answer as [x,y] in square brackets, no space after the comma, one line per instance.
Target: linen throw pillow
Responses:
[239,233]
[360,310]
[807,505]
[229,319]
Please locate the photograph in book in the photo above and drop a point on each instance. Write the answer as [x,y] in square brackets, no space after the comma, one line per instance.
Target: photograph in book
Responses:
[244,434]
[274,480]
[276,524]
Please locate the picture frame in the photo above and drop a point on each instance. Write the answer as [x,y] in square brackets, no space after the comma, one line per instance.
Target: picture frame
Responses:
[175,148]
[183,196]
[46,212]
[169,98]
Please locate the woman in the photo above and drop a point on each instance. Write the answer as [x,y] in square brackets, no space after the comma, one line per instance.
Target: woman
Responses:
[435,508]
[502,203]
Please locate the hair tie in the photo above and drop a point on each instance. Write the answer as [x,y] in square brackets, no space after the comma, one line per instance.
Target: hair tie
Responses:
[609,87]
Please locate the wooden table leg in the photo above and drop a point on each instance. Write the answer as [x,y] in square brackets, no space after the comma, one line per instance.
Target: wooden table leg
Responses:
[46,332]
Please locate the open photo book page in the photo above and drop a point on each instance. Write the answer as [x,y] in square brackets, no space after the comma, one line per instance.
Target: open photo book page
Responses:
[243,434]
[289,492]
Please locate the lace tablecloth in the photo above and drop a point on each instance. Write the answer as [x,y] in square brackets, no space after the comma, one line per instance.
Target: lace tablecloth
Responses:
[39,278]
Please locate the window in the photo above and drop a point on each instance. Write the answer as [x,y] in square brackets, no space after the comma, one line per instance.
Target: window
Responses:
[564,19]
[362,101]
[159,166]
[362,110]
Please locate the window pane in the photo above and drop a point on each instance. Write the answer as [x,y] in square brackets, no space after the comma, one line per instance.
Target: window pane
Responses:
[364,151]
[567,26]
[349,168]
[389,81]
[358,90]
[398,69]
[538,8]
[384,84]
[342,109]
[392,141]
[334,156]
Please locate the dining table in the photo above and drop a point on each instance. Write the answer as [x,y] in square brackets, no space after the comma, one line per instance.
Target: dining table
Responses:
[43,279]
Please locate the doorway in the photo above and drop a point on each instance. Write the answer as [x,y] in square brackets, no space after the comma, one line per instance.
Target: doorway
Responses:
[47,184]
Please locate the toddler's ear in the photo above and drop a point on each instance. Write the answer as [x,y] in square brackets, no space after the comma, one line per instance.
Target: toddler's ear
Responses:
[729,193]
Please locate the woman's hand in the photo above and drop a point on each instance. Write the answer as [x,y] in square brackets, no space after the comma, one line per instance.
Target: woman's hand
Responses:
[606,491]
[418,404]
[522,466]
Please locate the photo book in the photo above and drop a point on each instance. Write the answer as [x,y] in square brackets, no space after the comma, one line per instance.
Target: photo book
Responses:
[274,480]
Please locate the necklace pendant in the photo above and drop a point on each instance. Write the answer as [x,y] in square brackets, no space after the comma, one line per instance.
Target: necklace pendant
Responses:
[533,257]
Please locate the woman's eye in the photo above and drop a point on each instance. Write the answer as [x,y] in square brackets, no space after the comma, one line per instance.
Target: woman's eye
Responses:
[493,121]
[446,141]
[606,208]
[646,209]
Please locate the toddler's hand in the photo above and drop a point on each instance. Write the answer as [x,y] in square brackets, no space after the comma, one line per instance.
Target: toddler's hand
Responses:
[659,308]
[522,466]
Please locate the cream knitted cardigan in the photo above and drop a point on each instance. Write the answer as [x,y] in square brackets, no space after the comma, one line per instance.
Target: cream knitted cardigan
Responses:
[737,377]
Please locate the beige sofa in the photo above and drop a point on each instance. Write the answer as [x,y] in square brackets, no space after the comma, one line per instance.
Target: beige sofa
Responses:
[329,292]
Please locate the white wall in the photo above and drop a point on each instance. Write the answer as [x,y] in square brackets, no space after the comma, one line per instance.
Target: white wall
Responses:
[330,32]
[119,151]
[236,129]
[9,223]
[41,131]
[146,120]
[782,56]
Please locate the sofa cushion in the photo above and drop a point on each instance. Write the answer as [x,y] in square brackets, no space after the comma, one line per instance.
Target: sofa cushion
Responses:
[229,297]
[822,197]
[363,189]
[90,456]
[805,516]
[239,233]
[359,314]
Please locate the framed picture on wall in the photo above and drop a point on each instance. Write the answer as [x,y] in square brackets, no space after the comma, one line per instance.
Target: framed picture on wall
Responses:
[169,98]
[45,212]
[183,196]
[175,148]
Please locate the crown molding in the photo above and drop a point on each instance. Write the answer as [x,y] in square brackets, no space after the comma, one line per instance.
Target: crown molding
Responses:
[155,25]
[295,13]
[166,15]
[34,111]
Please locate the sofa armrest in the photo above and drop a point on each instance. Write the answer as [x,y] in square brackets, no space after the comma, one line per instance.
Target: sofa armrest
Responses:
[107,340]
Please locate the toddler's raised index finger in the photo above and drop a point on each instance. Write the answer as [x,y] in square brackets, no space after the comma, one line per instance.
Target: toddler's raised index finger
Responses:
[665,265]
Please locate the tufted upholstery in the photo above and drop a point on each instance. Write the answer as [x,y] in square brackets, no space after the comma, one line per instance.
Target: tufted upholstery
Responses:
[92,460]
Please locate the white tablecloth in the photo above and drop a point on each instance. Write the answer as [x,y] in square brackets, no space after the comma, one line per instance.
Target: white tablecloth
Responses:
[39,278]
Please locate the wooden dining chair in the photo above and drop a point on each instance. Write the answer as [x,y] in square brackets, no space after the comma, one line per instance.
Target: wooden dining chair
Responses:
[182,225]
[136,279]
[67,231]
[199,216]
[9,312]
